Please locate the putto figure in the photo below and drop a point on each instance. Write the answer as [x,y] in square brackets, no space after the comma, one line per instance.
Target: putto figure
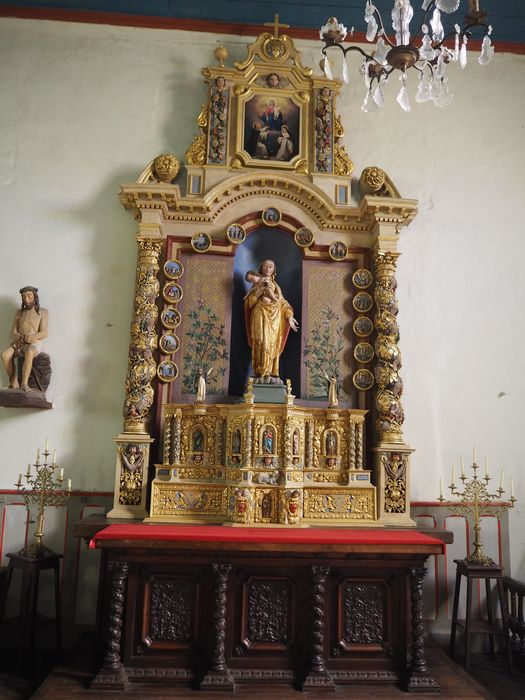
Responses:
[28,332]
[269,318]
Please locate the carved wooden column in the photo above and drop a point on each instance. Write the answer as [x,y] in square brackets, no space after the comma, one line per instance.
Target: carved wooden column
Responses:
[131,483]
[419,679]
[218,676]
[112,675]
[318,675]
[392,455]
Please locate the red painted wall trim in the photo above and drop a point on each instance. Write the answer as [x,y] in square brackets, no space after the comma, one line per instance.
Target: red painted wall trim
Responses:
[194,25]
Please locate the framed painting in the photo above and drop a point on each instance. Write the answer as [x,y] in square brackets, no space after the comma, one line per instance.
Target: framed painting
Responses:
[270,129]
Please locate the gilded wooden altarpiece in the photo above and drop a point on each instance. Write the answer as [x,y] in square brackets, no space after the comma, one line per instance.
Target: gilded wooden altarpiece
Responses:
[267,174]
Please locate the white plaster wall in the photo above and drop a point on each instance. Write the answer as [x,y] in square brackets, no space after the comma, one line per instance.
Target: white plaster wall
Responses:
[85,108]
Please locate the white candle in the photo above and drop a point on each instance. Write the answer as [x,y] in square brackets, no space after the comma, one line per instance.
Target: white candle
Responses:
[45,446]
[501,480]
[54,457]
[453,477]
[61,474]
[38,456]
[19,483]
[486,466]
[441,487]
[511,488]
[28,472]
[474,454]
[462,466]
[69,484]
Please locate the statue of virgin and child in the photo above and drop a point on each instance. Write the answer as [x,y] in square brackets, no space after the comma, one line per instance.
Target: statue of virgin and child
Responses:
[269,318]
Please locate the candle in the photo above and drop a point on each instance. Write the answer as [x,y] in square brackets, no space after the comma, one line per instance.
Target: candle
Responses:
[45,446]
[28,472]
[474,454]
[37,457]
[501,480]
[463,466]
[453,478]
[511,488]
[19,483]
[486,466]
[69,484]
[441,487]
[54,457]
[62,474]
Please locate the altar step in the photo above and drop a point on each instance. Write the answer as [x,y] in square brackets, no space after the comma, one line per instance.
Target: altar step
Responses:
[71,681]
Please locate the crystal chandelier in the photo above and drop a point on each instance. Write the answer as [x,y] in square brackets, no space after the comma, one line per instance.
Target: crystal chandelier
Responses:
[425,51]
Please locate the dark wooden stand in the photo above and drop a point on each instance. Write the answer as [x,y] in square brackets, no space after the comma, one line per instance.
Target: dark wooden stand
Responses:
[473,572]
[27,618]
[216,615]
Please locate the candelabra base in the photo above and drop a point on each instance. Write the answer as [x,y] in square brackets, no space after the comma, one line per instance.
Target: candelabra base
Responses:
[36,550]
[479,558]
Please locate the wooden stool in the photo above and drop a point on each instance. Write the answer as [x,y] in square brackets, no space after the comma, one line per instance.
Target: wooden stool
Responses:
[27,618]
[473,571]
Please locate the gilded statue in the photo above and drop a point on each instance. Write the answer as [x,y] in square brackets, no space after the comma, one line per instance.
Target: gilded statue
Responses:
[269,318]
[28,331]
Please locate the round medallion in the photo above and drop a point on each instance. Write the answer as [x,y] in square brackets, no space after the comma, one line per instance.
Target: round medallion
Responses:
[169,343]
[363,326]
[200,242]
[363,379]
[170,318]
[236,233]
[271,216]
[363,352]
[338,250]
[362,278]
[362,302]
[172,292]
[303,237]
[173,269]
[167,371]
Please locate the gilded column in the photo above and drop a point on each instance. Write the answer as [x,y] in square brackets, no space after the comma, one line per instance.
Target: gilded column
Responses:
[176,437]
[351,444]
[248,445]
[134,441]
[391,452]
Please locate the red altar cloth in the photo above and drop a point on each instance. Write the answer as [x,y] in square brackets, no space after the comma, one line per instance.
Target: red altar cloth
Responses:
[259,535]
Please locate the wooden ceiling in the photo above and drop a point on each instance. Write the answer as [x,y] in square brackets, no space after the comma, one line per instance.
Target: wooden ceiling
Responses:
[247,16]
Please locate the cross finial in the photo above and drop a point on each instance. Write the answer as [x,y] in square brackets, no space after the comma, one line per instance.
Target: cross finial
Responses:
[276,26]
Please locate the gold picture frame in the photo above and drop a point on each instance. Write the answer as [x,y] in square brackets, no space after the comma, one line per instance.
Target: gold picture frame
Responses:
[236,234]
[272,127]
[201,242]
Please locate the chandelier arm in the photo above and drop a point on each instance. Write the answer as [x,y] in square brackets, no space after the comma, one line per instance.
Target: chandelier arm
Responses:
[465,31]
[382,31]
[346,50]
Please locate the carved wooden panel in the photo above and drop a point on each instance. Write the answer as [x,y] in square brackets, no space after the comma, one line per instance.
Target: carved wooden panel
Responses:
[170,612]
[267,605]
[364,613]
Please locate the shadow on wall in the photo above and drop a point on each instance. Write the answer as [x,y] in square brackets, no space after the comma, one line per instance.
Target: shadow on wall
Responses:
[97,406]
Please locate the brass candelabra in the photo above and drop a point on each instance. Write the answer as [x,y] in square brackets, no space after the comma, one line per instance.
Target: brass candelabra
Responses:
[476,501]
[44,489]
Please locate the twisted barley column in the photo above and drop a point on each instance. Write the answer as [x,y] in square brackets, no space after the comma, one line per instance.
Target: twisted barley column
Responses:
[359,444]
[112,659]
[177,437]
[390,415]
[416,575]
[141,364]
[218,660]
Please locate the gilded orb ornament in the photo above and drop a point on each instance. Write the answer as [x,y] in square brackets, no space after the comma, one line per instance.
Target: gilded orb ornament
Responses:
[372,180]
[166,167]
[220,54]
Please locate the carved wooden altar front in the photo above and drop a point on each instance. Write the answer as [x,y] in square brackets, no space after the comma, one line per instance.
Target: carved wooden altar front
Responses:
[267,175]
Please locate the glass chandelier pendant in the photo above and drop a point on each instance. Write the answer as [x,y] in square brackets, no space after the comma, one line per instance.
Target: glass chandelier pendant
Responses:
[428,50]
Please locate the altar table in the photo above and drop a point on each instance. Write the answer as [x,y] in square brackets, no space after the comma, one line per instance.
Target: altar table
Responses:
[219,607]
